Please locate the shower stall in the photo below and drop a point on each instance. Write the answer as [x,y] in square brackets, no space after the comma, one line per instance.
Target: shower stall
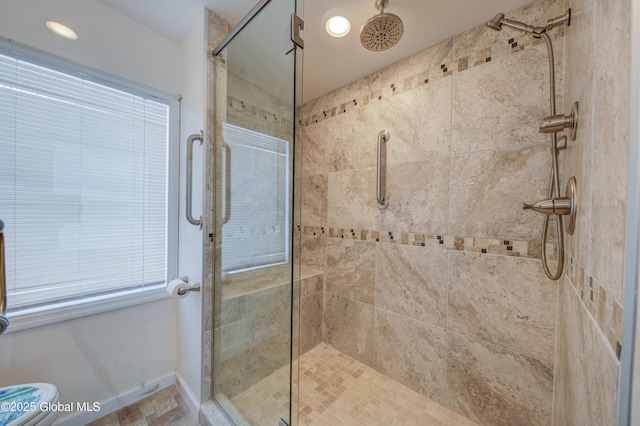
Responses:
[254,253]
[436,302]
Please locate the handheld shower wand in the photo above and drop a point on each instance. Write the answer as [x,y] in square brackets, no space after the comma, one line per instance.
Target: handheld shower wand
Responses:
[556,205]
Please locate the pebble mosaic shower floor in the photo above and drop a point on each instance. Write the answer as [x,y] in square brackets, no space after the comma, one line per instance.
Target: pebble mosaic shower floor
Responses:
[338,390]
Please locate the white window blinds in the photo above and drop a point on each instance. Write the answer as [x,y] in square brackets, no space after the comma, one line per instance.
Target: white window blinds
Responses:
[83,186]
[256,234]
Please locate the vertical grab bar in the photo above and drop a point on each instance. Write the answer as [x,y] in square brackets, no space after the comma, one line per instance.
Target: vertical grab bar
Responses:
[381,192]
[190,141]
[4,322]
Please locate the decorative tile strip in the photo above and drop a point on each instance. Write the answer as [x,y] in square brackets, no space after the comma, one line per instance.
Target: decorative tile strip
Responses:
[598,302]
[456,65]
[528,249]
[247,108]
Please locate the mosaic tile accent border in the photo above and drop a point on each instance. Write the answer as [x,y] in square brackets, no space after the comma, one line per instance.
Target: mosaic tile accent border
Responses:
[248,108]
[598,302]
[527,249]
[456,65]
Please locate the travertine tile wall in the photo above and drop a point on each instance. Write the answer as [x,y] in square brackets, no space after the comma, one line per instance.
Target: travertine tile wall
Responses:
[442,291]
[217,30]
[590,315]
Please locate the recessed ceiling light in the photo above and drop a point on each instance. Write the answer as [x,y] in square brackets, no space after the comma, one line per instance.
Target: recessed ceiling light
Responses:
[338,26]
[62,30]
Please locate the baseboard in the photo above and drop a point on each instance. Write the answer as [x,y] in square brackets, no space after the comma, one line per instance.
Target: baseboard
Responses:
[188,395]
[120,401]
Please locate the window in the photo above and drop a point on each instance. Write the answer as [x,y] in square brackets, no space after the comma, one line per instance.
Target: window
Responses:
[256,235]
[83,186]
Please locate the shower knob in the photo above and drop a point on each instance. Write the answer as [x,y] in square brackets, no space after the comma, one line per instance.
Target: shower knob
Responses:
[562,206]
[557,123]
[558,206]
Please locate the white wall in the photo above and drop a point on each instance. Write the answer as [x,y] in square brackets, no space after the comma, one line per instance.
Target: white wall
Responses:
[95,358]
[108,355]
[107,40]
[190,241]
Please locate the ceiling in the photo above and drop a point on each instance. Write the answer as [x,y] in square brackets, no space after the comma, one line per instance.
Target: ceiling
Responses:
[330,63]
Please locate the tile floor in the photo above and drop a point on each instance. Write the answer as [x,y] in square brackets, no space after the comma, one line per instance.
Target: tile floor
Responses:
[338,390]
[164,408]
[334,390]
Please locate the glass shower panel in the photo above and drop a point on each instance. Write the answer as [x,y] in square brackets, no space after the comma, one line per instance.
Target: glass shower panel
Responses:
[254,261]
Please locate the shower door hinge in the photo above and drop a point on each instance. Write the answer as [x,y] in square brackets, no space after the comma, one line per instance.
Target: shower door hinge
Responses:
[297,25]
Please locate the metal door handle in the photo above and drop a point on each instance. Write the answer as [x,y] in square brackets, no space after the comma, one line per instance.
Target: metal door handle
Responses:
[4,322]
[190,141]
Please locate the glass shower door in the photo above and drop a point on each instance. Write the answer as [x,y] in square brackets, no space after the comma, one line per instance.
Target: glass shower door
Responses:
[254,262]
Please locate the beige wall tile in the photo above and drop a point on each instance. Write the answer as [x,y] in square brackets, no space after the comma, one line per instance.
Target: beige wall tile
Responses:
[577,160]
[314,200]
[412,353]
[268,313]
[352,199]
[475,39]
[357,90]
[311,285]
[431,57]
[230,374]
[352,139]
[412,281]
[488,189]
[417,136]
[580,52]
[351,269]
[418,195]
[314,142]
[231,310]
[311,322]
[494,386]
[510,97]
[506,301]
[268,356]
[313,251]
[611,139]
[348,327]
[587,369]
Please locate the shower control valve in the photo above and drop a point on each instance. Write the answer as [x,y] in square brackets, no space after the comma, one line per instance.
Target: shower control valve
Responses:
[557,206]
[557,123]
[561,206]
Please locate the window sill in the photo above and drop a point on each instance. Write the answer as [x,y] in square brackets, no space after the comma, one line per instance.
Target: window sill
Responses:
[64,311]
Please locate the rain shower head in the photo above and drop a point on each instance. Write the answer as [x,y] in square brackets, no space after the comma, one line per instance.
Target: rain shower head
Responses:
[381,31]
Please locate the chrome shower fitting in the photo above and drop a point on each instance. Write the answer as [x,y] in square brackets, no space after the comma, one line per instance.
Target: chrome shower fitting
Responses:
[499,20]
[563,206]
[382,31]
[557,123]
[4,322]
[555,206]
